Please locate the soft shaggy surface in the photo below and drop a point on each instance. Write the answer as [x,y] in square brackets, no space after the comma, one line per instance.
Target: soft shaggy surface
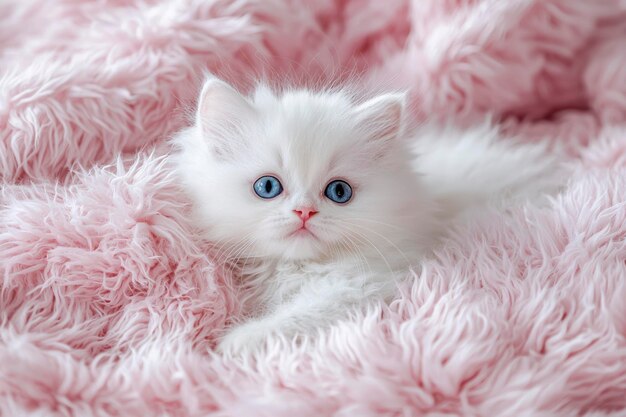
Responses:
[110,304]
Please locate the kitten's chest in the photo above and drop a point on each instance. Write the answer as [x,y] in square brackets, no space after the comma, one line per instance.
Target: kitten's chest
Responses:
[283,281]
[291,278]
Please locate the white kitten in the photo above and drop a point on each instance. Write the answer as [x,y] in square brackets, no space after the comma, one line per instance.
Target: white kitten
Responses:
[320,201]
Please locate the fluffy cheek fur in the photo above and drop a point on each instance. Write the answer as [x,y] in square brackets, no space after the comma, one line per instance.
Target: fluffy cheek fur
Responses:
[389,210]
[224,204]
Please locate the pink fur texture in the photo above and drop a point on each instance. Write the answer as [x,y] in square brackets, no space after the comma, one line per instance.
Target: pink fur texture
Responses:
[110,304]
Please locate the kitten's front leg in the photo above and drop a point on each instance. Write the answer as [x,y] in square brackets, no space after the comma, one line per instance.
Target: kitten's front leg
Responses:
[246,337]
[311,309]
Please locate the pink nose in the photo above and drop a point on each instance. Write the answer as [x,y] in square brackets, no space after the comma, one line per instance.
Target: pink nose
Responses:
[305,213]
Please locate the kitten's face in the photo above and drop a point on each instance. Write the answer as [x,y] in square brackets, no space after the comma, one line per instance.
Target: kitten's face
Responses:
[300,176]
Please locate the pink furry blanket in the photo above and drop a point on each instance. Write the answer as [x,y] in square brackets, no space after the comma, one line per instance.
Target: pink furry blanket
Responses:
[110,304]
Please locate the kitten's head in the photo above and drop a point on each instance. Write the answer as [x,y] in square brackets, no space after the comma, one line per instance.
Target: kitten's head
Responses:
[300,175]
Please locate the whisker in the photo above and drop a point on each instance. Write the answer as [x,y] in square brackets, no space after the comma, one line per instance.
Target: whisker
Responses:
[402,253]
[392,226]
[357,252]
[351,244]
[235,263]
[227,253]
[383,257]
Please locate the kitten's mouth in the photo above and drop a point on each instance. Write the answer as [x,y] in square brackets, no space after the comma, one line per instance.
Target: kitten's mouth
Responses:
[302,231]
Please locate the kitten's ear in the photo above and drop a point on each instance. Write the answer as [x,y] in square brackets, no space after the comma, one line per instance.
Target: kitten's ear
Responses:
[381,119]
[222,111]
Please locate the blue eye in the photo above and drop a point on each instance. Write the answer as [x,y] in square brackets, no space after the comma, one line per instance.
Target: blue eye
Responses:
[267,187]
[338,191]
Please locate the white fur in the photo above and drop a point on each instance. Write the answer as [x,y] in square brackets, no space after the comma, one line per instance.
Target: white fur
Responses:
[299,283]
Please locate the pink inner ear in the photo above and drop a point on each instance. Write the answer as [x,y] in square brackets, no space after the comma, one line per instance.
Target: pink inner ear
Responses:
[221,113]
[219,103]
[381,118]
[387,125]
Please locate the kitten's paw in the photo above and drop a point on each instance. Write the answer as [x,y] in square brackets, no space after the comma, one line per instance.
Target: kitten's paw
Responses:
[243,339]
